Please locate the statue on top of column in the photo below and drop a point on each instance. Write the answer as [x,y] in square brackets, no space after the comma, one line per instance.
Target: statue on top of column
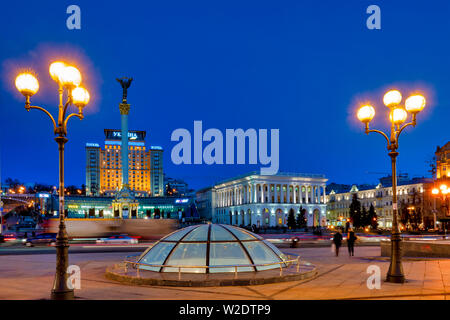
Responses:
[125,82]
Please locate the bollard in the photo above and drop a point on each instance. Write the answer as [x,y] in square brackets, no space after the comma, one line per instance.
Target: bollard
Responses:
[179,273]
[235,272]
[138,273]
[281,270]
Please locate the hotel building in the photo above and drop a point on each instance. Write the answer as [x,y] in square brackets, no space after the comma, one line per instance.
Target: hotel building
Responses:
[104,166]
[265,200]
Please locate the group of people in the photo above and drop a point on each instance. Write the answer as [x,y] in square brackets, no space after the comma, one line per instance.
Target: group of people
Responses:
[351,239]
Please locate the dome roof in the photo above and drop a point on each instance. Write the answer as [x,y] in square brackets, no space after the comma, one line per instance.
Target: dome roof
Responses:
[211,245]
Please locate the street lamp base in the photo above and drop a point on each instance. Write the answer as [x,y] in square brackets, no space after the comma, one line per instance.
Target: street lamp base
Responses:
[63,295]
[395,278]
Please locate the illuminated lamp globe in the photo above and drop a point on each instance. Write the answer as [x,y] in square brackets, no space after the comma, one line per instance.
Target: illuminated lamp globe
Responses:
[366,113]
[80,97]
[70,77]
[27,84]
[398,116]
[435,191]
[392,98]
[56,69]
[443,187]
[415,103]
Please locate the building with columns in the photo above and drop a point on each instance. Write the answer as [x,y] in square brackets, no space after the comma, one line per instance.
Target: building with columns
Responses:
[412,195]
[267,200]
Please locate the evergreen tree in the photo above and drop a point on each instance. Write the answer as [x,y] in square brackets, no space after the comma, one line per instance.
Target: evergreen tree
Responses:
[355,211]
[364,218]
[373,217]
[301,218]
[291,220]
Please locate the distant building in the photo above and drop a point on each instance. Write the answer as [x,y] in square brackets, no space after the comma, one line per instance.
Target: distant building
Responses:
[443,161]
[205,199]
[92,169]
[156,171]
[411,193]
[265,200]
[104,166]
[175,187]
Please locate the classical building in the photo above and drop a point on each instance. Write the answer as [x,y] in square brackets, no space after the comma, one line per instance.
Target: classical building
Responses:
[266,200]
[412,194]
[104,166]
[443,162]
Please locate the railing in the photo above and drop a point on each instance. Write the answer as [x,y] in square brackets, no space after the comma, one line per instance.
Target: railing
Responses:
[291,261]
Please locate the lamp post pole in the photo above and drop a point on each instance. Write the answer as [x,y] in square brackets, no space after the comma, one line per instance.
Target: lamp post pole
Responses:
[68,78]
[397,116]
[395,273]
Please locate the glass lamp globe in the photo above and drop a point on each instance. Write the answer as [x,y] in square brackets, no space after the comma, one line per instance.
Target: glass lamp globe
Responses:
[56,69]
[366,113]
[415,103]
[392,98]
[27,84]
[70,77]
[80,97]
[398,116]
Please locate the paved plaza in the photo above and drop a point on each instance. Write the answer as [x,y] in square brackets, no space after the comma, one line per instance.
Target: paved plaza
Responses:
[31,276]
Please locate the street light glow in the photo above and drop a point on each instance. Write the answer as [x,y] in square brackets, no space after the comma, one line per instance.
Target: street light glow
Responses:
[56,69]
[392,98]
[80,96]
[27,84]
[415,103]
[366,113]
[398,116]
[70,77]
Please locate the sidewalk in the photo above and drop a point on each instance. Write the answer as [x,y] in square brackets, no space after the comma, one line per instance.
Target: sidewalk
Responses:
[31,277]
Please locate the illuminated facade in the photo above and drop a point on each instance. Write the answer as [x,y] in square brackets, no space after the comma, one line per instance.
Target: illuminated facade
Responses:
[145,169]
[411,194]
[267,200]
[443,161]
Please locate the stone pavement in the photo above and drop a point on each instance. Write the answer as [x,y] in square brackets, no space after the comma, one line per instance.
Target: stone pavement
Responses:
[31,277]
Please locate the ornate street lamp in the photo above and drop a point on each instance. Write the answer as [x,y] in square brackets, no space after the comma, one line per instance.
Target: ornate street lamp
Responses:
[69,80]
[397,116]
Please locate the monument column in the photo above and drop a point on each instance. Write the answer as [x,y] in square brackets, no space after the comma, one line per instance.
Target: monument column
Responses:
[124,108]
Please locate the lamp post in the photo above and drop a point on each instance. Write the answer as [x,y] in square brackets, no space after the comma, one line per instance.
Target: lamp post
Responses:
[69,80]
[397,116]
[442,192]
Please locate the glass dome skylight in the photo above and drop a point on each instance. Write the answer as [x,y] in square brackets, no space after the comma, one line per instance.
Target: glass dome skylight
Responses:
[219,247]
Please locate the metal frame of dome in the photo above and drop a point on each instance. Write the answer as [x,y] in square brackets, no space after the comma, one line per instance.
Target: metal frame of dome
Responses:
[208,241]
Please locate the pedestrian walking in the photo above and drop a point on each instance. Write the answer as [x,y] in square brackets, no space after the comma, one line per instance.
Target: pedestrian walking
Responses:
[337,241]
[351,238]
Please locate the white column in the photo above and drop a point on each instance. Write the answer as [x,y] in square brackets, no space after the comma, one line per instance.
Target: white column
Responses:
[300,193]
[255,195]
[312,194]
[306,194]
[295,193]
[262,193]
[288,193]
[281,193]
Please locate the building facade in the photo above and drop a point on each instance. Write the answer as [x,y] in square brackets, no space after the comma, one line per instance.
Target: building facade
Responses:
[443,162]
[267,200]
[104,166]
[92,169]
[411,194]
[156,171]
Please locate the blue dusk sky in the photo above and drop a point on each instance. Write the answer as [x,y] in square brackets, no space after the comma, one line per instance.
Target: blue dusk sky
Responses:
[301,67]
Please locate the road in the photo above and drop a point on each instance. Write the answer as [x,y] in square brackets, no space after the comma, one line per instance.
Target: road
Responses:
[343,277]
